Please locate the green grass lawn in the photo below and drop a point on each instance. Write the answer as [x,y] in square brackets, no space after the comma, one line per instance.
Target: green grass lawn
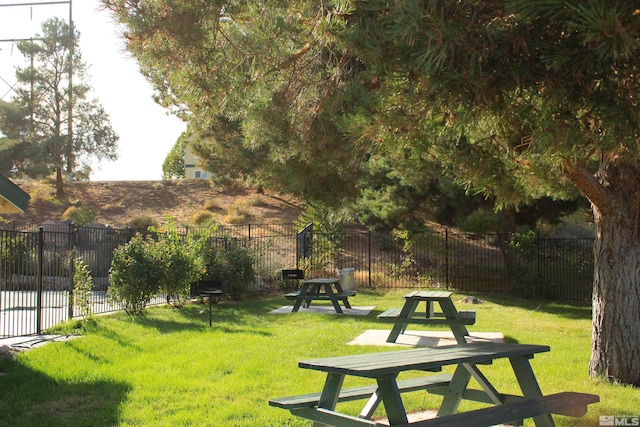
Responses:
[171,369]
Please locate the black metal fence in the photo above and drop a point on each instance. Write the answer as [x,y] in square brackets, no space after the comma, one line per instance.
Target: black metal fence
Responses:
[36,264]
[558,269]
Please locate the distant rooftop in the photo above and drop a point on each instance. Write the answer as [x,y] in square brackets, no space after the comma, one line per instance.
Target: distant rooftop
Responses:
[12,198]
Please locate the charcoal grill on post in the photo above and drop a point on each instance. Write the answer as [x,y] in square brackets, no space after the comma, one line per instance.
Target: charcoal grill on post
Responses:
[211,289]
[292,274]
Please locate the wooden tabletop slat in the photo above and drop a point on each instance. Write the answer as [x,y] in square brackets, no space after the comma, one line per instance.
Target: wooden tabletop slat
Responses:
[426,359]
[321,281]
[428,295]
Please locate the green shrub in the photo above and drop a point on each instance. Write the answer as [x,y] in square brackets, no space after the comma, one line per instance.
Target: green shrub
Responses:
[253,200]
[180,261]
[135,274]
[202,217]
[240,270]
[520,260]
[328,223]
[14,254]
[42,194]
[79,215]
[143,223]
[211,205]
[483,221]
[233,265]
[82,287]
[56,263]
[236,213]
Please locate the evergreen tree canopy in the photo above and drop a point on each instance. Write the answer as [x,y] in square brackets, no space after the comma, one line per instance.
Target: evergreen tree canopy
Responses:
[519,99]
[256,81]
[47,107]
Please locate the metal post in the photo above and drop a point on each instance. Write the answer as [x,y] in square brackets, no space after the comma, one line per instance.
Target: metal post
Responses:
[39,266]
[73,230]
[538,267]
[70,122]
[446,257]
[369,257]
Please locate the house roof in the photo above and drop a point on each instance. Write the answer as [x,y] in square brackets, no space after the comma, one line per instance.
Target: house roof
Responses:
[12,198]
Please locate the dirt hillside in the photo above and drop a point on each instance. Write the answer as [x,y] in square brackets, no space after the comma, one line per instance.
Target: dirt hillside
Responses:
[116,203]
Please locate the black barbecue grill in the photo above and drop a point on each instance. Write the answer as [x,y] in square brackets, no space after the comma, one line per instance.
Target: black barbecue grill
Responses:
[214,290]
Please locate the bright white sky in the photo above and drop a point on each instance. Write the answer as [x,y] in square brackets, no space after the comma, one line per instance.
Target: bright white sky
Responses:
[146,131]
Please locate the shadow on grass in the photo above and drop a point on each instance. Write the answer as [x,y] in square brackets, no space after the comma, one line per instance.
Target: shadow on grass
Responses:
[562,309]
[228,317]
[510,340]
[29,398]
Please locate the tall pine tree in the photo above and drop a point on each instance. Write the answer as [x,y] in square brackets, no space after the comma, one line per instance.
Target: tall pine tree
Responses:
[50,125]
[519,99]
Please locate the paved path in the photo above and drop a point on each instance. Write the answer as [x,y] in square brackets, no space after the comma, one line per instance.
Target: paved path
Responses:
[11,346]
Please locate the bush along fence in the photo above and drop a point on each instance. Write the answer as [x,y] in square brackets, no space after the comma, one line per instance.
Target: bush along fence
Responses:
[38,265]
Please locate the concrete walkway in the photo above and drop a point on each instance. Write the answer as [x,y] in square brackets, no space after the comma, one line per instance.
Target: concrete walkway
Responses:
[11,346]
[325,309]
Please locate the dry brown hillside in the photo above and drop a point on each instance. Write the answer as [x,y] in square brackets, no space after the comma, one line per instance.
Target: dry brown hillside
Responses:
[116,203]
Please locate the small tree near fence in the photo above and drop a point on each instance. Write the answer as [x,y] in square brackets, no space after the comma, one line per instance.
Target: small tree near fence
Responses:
[233,265]
[14,254]
[82,286]
[145,267]
[180,260]
[135,275]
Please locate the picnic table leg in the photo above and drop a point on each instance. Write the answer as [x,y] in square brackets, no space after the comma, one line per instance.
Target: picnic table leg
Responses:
[390,396]
[333,297]
[407,311]
[345,300]
[371,406]
[488,388]
[330,393]
[457,386]
[529,386]
[311,291]
[210,315]
[429,312]
[459,331]
[300,298]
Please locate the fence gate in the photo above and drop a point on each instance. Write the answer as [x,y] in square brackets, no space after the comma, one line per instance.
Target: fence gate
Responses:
[35,281]
[304,243]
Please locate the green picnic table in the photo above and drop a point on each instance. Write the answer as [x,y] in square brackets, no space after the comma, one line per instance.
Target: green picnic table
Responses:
[449,315]
[321,289]
[384,368]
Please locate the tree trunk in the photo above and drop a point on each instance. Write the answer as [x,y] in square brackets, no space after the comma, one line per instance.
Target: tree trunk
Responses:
[616,290]
[59,183]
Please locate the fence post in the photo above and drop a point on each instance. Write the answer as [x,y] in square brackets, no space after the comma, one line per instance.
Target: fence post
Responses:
[538,269]
[369,257]
[446,257]
[73,241]
[39,272]
[304,242]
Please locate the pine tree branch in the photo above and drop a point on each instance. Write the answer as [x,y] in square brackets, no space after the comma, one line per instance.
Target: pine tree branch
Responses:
[588,185]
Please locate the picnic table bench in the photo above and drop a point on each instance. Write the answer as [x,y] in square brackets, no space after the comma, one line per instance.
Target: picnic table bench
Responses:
[385,367]
[449,315]
[321,289]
